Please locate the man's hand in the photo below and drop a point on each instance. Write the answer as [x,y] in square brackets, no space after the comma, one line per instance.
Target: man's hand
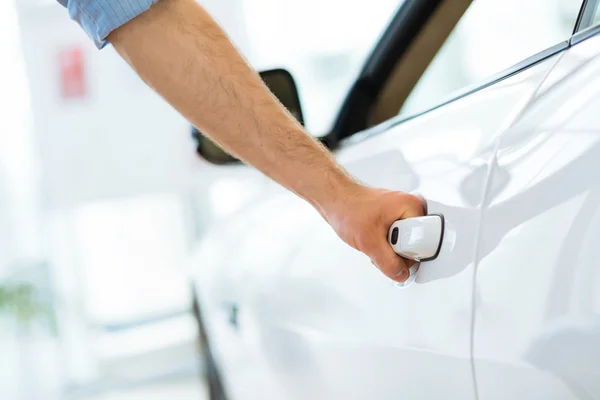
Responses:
[363,219]
[179,51]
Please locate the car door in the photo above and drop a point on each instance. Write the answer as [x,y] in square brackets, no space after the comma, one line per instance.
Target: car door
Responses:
[329,325]
[537,314]
[332,326]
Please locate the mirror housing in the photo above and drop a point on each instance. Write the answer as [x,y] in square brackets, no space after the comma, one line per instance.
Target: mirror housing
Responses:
[282,85]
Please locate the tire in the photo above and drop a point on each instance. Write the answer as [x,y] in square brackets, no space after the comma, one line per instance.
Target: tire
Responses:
[210,372]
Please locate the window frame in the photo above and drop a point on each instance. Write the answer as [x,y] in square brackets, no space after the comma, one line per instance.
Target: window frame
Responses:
[392,45]
[586,15]
[585,27]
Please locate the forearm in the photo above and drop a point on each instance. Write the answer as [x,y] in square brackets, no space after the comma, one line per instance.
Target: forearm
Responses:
[179,51]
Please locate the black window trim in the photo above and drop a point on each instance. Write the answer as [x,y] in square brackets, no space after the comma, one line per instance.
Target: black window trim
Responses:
[577,37]
[393,44]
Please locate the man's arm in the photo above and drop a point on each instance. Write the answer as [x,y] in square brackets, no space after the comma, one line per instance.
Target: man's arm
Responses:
[178,50]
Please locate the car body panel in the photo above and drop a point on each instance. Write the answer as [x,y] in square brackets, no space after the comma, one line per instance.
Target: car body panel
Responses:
[537,314]
[313,317]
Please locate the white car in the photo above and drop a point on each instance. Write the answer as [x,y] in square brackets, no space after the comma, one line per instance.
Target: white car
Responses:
[510,309]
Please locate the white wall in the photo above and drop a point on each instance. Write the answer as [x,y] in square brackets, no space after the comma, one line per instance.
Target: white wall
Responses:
[18,215]
[121,140]
[120,159]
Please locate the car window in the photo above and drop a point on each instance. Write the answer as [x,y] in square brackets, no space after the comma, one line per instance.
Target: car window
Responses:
[323,43]
[491,36]
[596,18]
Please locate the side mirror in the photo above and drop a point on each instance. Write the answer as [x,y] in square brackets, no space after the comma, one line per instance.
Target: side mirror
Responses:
[282,85]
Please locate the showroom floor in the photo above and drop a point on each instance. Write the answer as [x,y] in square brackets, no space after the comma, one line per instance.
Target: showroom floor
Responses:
[162,370]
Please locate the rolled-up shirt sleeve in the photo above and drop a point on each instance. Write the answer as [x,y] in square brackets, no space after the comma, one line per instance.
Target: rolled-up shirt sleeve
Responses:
[99,18]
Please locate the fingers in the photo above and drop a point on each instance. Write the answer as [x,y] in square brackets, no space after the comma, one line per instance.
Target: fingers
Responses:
[392,265]
[388,262]
[364,221]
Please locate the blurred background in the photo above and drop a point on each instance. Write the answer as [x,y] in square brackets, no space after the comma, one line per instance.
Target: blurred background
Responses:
[102,196]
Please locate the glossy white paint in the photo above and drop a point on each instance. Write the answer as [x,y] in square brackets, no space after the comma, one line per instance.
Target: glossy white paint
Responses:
[294,313]
[347,320]
[537,325]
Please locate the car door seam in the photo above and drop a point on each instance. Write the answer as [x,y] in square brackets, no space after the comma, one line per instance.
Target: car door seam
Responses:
[510,122]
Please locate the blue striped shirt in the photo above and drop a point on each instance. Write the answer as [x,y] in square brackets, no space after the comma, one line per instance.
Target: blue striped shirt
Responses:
[98,18]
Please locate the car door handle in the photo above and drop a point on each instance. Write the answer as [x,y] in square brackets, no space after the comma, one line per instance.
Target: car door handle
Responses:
[419,239]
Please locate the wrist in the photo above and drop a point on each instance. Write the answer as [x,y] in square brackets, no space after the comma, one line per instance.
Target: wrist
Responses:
[330,190]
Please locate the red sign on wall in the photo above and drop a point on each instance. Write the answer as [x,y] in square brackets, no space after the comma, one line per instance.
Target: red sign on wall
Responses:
[72,73]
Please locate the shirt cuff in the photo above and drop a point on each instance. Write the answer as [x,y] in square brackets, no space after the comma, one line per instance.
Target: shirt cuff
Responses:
[99,18]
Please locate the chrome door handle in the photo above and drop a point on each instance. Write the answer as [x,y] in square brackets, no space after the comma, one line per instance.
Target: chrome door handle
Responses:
[419,239]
